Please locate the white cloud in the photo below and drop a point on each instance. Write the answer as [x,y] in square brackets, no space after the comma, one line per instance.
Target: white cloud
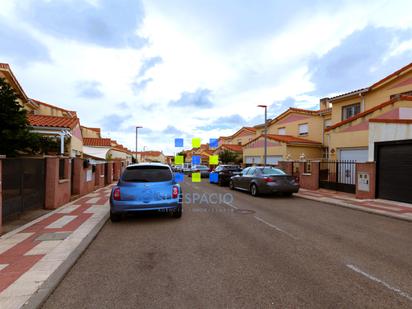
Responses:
[254,70]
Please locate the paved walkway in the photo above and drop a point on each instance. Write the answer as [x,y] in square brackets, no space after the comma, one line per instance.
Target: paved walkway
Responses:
[35,256]
[382,207]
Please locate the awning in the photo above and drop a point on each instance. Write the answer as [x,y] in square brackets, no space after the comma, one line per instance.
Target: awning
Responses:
[96,152]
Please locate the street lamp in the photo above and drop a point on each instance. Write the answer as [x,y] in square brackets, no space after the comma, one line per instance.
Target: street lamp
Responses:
[137,128]
[266,132]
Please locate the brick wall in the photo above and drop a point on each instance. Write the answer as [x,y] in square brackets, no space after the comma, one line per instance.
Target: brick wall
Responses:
[286,166]
[80,184]
[109,173]
[57,191]
[310,180]
[117,169]
[100,175]
[370,169]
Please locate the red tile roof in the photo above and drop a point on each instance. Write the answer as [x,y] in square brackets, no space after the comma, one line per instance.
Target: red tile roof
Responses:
[401,121]
[235,148]
[288,139]
[369,111]
[97,142]
[52,121]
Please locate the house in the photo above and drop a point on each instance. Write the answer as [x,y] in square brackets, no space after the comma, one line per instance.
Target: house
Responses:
[151,156]
[293,135]
[54,121]
[91,132]
[106,149]
[351,135]
[240,137]
[237,149]
[375,124]
[47,119]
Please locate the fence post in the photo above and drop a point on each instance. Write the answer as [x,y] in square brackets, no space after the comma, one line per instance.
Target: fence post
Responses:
[365,180]
[52,177]
[78,175]
[309,180]
[109,170]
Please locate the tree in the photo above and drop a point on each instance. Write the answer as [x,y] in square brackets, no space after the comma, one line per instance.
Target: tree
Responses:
[14,127]
[227,156]
[182,153]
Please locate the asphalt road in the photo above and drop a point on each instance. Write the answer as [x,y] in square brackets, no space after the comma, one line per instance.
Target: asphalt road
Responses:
[247,253]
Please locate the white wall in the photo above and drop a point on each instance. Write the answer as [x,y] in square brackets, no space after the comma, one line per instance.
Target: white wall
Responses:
[383,132]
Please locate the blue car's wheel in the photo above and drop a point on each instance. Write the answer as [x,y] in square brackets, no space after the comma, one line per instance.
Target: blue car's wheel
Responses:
[178,212]
[115,217]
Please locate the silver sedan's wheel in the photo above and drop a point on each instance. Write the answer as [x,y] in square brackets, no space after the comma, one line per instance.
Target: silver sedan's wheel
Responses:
[253,190]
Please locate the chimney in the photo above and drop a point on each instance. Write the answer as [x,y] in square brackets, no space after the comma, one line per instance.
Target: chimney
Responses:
[324,103]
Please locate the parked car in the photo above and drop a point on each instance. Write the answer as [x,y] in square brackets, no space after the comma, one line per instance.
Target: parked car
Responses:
[224,172]
[264,180]
[202,169]
[187,168]
[146,187]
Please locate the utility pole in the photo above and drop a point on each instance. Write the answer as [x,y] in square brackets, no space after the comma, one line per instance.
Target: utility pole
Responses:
[266,133]
[137,128]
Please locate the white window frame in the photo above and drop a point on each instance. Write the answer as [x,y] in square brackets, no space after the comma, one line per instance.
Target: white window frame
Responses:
[282,131]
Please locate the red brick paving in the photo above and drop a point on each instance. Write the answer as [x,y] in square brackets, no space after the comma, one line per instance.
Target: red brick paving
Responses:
[19,263]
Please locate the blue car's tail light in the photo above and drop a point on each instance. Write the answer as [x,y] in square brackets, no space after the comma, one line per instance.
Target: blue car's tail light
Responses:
[116,194]
[175,192]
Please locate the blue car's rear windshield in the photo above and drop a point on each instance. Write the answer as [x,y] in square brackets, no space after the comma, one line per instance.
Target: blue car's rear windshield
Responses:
[147,174]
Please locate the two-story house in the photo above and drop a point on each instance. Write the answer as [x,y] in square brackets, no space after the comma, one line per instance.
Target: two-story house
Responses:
[293,135]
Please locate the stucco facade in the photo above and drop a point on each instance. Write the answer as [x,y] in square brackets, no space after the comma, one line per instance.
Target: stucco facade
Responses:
[389,98]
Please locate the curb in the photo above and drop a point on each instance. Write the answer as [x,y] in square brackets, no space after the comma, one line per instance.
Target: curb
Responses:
[47,288]
[358,208]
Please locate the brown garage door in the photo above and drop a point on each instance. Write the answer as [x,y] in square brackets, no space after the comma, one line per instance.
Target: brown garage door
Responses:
[394,170]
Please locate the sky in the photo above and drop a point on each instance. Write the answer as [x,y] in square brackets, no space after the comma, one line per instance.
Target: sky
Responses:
[196,68]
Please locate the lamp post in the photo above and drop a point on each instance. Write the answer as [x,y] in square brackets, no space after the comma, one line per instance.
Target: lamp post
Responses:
[266,132]
[137,128]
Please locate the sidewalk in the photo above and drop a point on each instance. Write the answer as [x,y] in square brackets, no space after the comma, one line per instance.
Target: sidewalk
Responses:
[381,207]
[34,257]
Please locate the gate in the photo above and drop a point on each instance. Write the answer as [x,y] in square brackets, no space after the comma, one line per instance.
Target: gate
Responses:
[338,175]
[23,185]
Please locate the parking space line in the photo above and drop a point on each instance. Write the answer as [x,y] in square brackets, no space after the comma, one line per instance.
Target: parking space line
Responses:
[373,278]
[276,228]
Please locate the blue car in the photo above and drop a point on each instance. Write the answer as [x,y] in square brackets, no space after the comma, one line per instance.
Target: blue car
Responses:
[146,187]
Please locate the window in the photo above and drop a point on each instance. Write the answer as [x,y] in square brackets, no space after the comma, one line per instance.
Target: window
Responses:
[147,174]
[282,131]
[244,172]
[251,171]
[328,123]
[303,129]
[350,110]
[272,171]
